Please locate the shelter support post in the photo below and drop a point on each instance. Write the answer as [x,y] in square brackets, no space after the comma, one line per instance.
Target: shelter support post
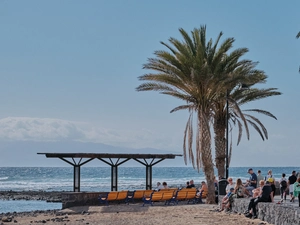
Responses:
[148,177]
[76,185]
[114,178]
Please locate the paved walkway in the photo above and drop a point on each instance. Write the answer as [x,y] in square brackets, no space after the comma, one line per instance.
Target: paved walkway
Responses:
[287,202]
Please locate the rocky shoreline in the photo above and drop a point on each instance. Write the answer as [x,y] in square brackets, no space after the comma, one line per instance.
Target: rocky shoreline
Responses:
[134,214]
[53,196]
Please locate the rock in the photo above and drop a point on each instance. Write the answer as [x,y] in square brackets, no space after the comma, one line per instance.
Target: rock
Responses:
[6,219]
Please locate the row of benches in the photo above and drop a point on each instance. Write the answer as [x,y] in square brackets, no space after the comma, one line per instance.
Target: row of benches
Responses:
[172,195]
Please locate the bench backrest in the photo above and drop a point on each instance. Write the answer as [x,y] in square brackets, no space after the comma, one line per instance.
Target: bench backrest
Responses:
[191,194]
[167,195]
[139,194]
[113,195]
[157,196]
[181,195]
[122,195]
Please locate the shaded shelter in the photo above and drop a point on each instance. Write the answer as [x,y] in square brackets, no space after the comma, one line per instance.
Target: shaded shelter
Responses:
[148,160]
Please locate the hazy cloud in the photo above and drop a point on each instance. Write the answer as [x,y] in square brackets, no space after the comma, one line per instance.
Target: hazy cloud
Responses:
[47,129]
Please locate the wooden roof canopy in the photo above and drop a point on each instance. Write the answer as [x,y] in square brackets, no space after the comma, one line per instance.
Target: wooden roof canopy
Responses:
[107,158]
[109,155]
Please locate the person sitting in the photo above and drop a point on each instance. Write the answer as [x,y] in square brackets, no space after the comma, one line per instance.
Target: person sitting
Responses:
[159,186]
[227,200]
[192,185]
[203,190]
[165,186]
[230,184]
[265,196]
[187,184]
[252,182]
[257,191]
[216,183]
[239,190]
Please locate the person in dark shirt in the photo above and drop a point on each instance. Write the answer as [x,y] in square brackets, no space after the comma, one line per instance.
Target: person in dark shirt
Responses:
[265,196]
[191,185]
[252,182]
[291,181]
[273,187]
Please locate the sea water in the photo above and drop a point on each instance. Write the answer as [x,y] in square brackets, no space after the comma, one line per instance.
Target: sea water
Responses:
[26,205]
[99,179]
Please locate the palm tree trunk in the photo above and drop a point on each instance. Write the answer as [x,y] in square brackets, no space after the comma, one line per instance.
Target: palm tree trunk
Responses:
[206,158]
[220,145]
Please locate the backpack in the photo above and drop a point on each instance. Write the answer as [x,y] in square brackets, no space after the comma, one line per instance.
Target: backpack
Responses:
[283,183]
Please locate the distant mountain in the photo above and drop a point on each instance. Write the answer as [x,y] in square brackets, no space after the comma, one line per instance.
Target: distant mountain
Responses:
[24,153]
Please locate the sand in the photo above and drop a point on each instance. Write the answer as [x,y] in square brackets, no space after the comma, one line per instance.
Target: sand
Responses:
[199,214]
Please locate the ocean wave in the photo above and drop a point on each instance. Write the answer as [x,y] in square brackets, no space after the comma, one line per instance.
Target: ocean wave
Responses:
[3,178]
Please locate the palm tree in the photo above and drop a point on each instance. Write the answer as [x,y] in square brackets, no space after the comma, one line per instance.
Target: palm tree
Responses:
[233,71]
[238,117]
[184,73]
[200,73]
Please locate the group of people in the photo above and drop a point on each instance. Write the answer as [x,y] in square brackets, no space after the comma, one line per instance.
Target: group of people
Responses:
[190,184]
[260,189]
[287,185]
[159,186]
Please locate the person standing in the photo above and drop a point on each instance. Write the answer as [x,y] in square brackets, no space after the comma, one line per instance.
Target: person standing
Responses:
[259,176]
[283,186]
[291,181]
[272,184]
[270,175]
[252,182]
[297,189]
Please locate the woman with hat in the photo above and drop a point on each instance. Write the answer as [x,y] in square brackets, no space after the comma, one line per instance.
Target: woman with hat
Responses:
[272,184]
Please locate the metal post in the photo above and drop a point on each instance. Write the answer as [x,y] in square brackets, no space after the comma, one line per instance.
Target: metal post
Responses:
[114,178]
[148,177]
[227,118]
[76,186]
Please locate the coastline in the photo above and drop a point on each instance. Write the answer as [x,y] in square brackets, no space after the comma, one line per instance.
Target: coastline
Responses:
[117,213]
[121,214]
[51,196]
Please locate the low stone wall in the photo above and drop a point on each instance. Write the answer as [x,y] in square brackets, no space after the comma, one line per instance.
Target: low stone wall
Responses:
[70,199]
[278,214]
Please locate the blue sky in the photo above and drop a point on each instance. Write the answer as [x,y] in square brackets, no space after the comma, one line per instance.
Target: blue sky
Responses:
[69,71]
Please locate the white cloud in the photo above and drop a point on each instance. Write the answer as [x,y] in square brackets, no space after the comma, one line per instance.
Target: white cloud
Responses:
[47,129]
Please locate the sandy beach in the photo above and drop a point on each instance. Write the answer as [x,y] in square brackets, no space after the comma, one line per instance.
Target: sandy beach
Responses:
[133,214]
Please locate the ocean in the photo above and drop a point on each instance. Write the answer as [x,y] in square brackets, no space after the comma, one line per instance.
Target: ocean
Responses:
[98,179]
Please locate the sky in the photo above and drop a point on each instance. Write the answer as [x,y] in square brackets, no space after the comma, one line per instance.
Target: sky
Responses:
[69,70]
